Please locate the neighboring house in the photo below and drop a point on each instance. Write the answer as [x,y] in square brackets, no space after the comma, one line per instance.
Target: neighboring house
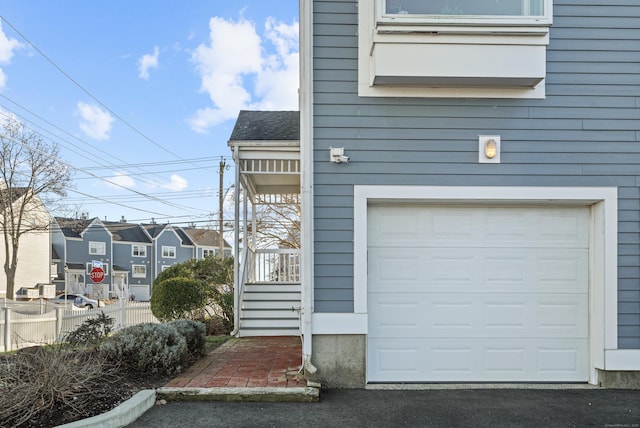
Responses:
[34,260]
[171,245]
[81,243]
[131,255]
[207,242]
[132,261]
[469,183]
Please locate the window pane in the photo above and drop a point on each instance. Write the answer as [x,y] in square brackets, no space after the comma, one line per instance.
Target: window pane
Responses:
[466,7]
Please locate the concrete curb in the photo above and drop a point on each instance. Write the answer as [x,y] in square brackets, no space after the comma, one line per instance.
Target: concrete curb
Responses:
[257,394]
[122,415]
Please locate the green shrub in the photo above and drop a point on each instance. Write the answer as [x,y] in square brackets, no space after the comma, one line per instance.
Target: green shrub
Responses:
[178,297]
[194,334]
[217,326]
[91,332]
[148,348]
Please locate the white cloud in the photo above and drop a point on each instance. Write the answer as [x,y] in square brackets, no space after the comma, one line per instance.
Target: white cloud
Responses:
[241,74]
[94,121]
[148,62]
[176,184]
[7,49]
[120,180]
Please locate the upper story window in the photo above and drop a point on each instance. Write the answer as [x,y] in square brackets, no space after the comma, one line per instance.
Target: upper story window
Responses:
[463,11]
[139,250]
[97,248]
[139,271]
[453,48]
[168,252]
[208,252]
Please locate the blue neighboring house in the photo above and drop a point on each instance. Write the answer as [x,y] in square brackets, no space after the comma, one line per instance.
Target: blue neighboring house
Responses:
[468,174]
[131,255]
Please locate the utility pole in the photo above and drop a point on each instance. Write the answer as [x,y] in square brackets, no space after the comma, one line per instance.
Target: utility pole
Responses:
[223,165]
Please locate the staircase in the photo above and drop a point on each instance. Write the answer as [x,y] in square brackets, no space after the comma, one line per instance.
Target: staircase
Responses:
[270,310]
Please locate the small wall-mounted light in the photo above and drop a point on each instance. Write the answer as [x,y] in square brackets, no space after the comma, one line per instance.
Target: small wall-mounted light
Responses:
[336,155]
[489,149]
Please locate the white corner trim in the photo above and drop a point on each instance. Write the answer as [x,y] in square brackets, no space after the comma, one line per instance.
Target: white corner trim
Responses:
[622,359]
[306,173]
[603,327]
[339,323]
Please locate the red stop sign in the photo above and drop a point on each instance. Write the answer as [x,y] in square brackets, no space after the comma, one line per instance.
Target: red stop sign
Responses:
[97,275]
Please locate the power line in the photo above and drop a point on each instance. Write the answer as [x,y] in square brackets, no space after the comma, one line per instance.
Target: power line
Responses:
[68,165]
[93,97]
[81,151]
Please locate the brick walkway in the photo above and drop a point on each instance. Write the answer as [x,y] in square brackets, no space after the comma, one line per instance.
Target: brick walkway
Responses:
[247,362]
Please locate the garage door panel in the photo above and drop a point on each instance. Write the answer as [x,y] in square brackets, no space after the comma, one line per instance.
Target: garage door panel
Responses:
[477,360]
[442,315]
[478,227]
[505,270]
[476,293]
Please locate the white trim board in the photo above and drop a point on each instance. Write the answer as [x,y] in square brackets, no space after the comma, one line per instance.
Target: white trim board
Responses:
[603,328]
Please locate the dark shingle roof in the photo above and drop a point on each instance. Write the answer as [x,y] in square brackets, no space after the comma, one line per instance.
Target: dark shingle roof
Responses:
[155,229]
[266,125]
[127,232]
[186,240]
[73,227]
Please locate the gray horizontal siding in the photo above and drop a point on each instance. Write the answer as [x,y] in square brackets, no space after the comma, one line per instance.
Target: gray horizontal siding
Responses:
[585,133]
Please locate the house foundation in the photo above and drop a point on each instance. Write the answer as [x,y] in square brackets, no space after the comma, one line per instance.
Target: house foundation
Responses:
[340,360]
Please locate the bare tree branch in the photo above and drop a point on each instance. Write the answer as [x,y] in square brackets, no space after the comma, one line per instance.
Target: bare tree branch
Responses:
[32,179]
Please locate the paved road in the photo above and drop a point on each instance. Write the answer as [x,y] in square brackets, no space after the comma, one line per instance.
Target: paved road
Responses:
[434,408]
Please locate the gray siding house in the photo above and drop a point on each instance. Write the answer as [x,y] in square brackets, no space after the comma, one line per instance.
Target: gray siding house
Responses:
[131,255]
[469,191]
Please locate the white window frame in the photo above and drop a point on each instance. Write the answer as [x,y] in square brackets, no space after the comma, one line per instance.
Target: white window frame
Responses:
[135,274]
[383,18]
[209,252]
[140,249]
[97,248]
[167,250]
[105,267]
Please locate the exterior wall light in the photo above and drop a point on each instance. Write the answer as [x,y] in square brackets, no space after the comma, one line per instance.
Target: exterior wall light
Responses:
[489,149]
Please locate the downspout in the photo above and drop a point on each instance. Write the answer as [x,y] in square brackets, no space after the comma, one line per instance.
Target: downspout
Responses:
[306,179]
[236,246]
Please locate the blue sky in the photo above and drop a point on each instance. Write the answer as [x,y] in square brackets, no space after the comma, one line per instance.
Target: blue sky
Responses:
[141,96]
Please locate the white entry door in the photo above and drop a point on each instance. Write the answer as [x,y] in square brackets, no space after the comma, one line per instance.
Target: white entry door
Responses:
[477,294]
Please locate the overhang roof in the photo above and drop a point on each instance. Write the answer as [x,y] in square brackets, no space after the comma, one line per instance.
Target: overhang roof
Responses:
[266,149]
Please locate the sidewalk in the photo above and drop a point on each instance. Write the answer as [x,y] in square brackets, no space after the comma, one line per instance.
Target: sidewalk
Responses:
[247,369]
[247,362]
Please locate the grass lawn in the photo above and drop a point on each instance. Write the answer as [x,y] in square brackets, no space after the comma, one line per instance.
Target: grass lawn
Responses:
[212,342]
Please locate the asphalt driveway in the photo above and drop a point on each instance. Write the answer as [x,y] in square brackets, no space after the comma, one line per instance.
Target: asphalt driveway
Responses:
[431,408]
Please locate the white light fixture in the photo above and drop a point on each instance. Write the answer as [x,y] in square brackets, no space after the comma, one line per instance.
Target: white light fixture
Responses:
[489,148]
[336,155]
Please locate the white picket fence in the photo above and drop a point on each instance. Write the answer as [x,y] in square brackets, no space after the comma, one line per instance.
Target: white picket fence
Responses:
[31,324]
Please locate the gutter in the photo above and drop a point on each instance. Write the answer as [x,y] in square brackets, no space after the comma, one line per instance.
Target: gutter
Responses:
[306,182]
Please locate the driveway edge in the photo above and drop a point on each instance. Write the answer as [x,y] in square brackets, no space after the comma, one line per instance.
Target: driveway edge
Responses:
[121,416]
[257,394]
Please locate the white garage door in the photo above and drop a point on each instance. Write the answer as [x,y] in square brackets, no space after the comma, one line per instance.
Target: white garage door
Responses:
[477,294]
